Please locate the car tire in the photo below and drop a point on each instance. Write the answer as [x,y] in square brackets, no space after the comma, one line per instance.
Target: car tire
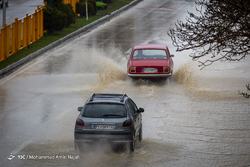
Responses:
[132,145]
[140,133]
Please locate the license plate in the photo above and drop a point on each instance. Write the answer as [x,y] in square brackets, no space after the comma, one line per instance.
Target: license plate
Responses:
[103,127]
[149,70]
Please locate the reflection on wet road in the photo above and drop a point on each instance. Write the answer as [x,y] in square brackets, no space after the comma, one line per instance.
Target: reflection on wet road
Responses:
[198,119]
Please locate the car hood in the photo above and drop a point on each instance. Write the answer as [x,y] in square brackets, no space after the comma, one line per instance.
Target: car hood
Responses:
[149,62]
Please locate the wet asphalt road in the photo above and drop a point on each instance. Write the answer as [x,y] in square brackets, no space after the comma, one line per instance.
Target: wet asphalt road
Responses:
[198,119]
[19,9]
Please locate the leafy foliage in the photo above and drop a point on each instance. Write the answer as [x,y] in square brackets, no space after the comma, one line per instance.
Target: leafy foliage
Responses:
[68,10]
[53,3]
[58,17]
[81,9]
[221,29]
[54,20]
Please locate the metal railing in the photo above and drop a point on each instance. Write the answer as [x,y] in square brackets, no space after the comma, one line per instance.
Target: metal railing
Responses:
[21,33]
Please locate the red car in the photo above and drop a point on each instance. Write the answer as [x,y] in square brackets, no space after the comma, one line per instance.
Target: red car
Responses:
[150,61]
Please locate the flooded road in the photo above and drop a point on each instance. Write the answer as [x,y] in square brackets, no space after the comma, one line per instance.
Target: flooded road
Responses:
[197,119]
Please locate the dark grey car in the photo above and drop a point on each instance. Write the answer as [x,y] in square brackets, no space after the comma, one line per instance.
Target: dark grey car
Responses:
[111,118]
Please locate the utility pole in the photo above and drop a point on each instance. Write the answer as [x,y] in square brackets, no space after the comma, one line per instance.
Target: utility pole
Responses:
[87,18]
[4,12]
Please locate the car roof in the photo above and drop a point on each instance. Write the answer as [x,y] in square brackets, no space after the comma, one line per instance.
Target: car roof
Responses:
[110,98]
[150,46]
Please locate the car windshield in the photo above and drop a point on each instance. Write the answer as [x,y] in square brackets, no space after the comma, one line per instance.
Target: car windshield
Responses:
[104,110]
[150,54]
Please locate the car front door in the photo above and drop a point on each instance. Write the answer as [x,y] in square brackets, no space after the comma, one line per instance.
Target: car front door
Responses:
[171,63]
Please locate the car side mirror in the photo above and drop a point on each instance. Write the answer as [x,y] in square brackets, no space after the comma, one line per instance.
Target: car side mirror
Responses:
[80,109]
[171,55]
[140,110]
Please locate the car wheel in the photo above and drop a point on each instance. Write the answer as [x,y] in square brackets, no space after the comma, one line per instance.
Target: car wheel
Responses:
[132,145]
[140,134]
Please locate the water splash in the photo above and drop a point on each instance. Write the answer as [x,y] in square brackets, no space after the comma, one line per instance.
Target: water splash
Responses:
[186,75]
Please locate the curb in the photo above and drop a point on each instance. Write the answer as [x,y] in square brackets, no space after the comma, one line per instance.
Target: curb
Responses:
[13,67]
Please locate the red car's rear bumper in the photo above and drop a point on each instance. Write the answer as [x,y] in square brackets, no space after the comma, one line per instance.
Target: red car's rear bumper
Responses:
[149,75]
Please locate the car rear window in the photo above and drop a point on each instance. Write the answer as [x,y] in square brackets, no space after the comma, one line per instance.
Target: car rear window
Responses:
[104,110]
[150,54]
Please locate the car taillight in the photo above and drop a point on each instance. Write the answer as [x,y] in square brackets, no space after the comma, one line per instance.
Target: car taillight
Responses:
[166,69]
[79,122]
[127,122]
[132,69]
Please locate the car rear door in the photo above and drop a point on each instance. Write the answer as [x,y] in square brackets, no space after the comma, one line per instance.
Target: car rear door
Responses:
[136,116]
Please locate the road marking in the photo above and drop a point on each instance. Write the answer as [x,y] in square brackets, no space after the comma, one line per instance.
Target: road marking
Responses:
[63,113]
[19,148]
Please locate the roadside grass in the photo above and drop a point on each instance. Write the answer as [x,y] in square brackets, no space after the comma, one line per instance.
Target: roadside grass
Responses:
[50,38]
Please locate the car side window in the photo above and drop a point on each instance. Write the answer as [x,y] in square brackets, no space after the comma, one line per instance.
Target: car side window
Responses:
[130,107]
[134,107]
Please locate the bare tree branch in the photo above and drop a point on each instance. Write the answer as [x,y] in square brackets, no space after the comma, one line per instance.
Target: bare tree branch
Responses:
[221,31]
[245,94]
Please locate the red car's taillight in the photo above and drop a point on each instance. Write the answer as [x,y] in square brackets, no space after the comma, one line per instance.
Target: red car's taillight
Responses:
[166,69]
[132,69]
[79,122]
[127,122]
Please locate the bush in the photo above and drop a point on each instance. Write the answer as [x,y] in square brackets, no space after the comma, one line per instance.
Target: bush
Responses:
[54,20]
[53,3]
[81,9]
[105,1]
[101,5]
[93,4]
[68,10]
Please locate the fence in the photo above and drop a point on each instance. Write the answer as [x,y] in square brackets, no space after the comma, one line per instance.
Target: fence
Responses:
[21,33]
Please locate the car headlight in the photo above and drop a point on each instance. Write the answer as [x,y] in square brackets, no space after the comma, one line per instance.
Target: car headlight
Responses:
[132,69]
[166,69]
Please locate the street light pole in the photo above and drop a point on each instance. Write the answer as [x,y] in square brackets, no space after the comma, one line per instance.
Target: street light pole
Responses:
[4,12]
[87,10]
